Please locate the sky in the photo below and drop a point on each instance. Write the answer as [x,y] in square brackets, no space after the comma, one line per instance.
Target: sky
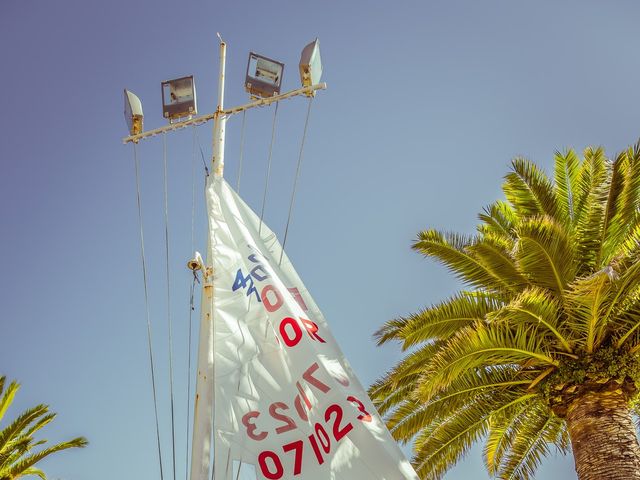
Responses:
[428,101]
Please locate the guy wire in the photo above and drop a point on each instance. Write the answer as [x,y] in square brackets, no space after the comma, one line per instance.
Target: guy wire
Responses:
[295,181]
[146,304]
[266,183]
[244,118]
[166,243]
[191,303]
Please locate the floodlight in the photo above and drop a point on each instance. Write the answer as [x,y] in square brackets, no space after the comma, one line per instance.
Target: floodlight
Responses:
[264,76]
[133,112]
[310,64]
[179,98]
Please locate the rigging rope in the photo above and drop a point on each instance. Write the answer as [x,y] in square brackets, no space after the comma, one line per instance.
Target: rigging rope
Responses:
[295,181]
[191,309]
[166,243]
[191,293]
[244,118]
[204,163]
[146,304]
[266,183]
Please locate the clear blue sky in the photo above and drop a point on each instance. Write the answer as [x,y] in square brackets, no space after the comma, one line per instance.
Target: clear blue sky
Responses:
[427,103]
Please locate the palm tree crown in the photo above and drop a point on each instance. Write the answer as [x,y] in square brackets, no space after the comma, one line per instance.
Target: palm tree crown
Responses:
[551,317]
[17,455]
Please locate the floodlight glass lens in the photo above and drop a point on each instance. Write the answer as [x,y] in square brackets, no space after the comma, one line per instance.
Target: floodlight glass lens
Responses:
[178,91]
[265,70]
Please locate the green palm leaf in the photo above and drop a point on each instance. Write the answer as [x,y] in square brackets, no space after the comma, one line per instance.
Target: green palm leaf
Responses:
[566,170]
[590,210]
[545,253]
[452,251]
[529,190]
[22,466]
[439,321]
[8,395]
[483,346]
[498,219]
[17,456]
[536,432]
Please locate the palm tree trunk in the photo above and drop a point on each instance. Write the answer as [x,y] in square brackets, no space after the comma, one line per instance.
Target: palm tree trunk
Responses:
[603,437]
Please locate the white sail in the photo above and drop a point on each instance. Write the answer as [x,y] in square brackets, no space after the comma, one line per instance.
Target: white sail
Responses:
[287,404]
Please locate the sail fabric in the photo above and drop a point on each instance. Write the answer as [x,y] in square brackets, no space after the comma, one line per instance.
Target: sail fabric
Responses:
[287,404]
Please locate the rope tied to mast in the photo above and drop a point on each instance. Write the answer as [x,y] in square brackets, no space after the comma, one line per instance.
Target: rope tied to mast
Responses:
[146,304]
[204,162]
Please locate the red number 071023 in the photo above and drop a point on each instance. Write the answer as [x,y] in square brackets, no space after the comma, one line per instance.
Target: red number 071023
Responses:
[320,441]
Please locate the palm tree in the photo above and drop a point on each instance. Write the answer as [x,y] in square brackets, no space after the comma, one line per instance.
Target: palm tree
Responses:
[17,458]
[541,352]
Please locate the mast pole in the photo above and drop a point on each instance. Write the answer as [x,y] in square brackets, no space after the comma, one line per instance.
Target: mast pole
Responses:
[203,405]
[220,119]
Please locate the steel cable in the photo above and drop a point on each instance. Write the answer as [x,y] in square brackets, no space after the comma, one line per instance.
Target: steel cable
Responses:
[191,295]
[146,303]
[295,180]
[266,183]
[244,115]
[166,243]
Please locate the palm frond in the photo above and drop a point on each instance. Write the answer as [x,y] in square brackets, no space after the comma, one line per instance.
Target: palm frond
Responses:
[386,398]
[495,253]
[566,169]
[530,191]
[452,251]
[34,472]
[615,187]
[21,423]
[440,321]
[535,307]
[441,445]
[588,299]
[398,383]
[483,346]
[627,199]
[391,330]
[546,254]
[536,434]
[8,396]
[625,322]
[502,430]
[590,210]
[27,462]
[627,250]
[482,385]
[498,219]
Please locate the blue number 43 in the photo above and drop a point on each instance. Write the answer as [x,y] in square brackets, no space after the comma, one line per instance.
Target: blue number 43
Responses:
[244,282]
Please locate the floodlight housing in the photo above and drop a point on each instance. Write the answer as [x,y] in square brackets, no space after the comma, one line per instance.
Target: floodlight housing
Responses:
[179,98]
[310,64]
[264,76]
[133,112]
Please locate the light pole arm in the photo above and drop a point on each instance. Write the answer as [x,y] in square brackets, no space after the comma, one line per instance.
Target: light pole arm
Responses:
[263,102]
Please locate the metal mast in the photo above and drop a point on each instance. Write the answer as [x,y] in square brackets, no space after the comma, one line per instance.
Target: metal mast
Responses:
[203,407]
